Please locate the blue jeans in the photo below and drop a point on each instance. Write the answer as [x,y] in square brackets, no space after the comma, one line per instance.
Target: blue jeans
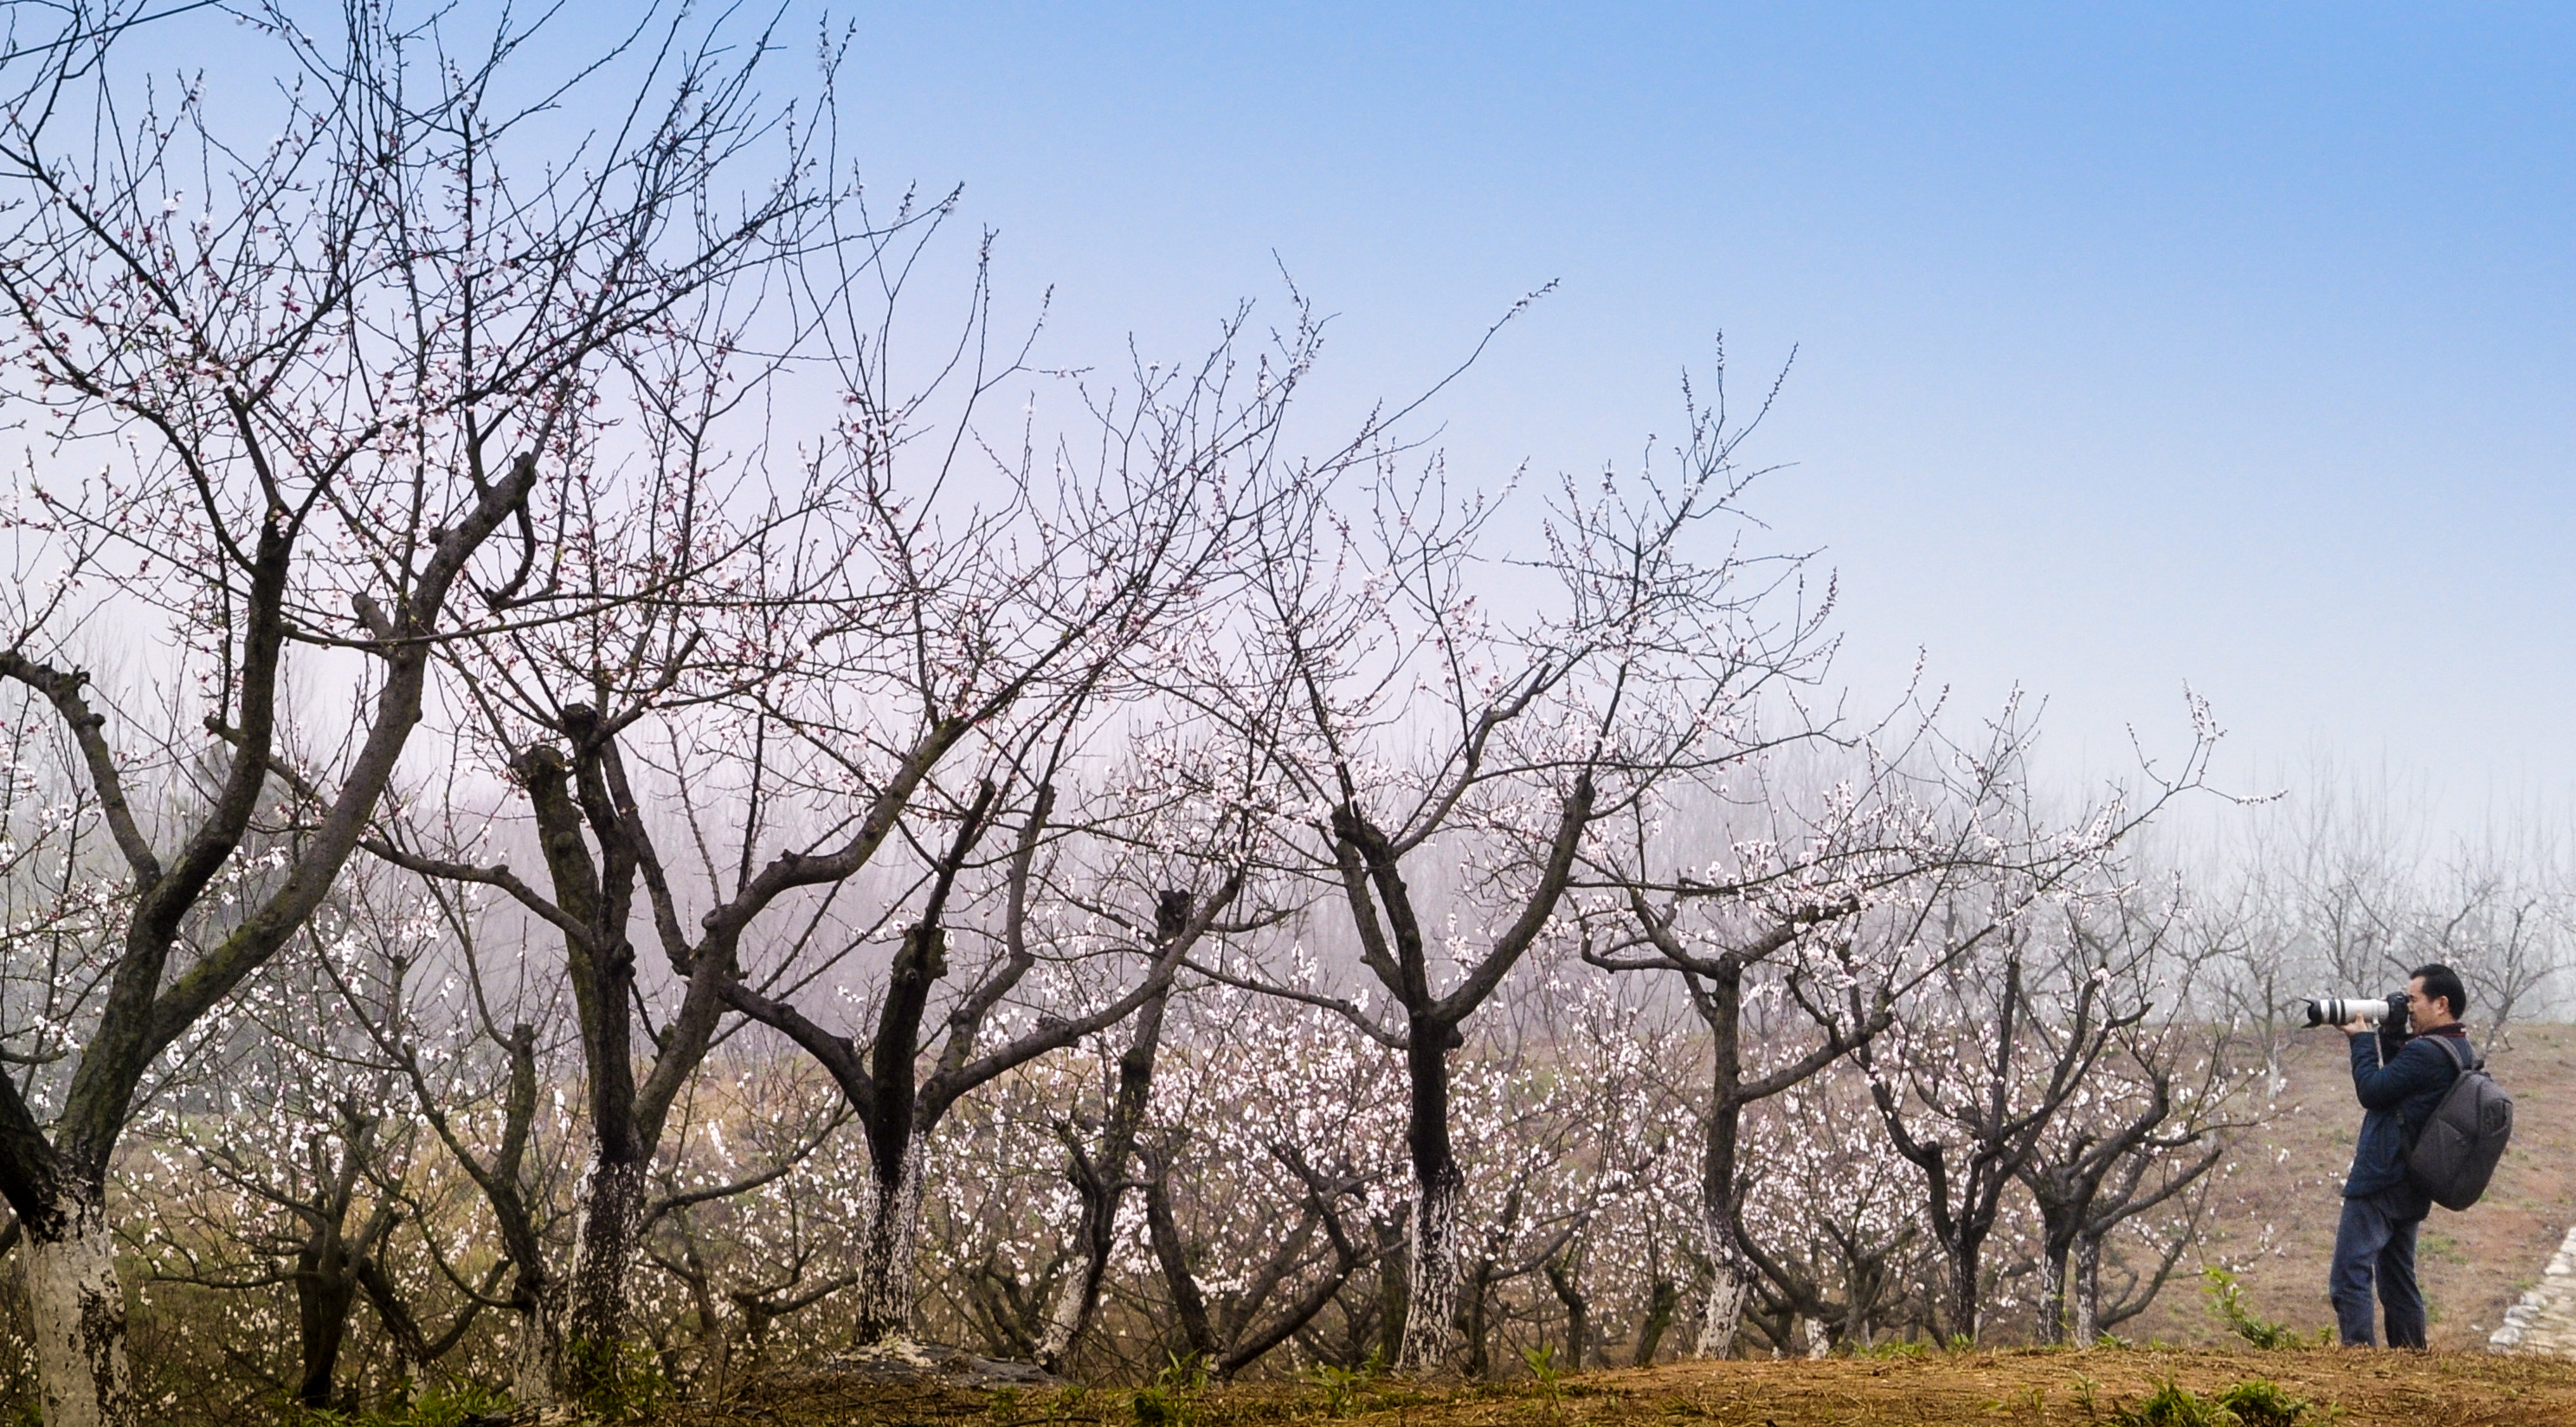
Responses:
[2377,1238]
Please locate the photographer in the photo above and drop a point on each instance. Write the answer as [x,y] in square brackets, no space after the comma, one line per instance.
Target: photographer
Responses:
[2382,1207]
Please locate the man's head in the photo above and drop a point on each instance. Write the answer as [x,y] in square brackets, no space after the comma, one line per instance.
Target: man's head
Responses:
[2434,997]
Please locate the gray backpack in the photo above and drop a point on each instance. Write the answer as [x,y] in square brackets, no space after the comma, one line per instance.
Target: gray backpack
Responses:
[2456,1152]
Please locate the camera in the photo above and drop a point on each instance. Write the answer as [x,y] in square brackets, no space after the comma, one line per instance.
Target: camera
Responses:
[2389,1014]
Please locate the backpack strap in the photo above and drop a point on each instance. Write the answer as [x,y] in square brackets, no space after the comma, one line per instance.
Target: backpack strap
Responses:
[2463,1059]
[2460,1069]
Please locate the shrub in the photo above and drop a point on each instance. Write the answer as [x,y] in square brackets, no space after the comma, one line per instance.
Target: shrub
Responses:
[2174,1405]
[2227,1300]
[2258,1403]
[2254,1403]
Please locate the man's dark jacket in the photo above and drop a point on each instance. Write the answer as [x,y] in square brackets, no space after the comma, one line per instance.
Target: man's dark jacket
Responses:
[2400,1097]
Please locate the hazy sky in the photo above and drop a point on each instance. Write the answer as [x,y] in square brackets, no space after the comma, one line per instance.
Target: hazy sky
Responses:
[2223,344]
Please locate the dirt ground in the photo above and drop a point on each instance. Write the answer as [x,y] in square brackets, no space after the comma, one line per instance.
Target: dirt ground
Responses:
[2109,1386]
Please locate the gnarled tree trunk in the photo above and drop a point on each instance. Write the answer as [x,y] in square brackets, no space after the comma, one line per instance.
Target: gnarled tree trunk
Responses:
[79,1310]
[1101,1179]
[1730,1277]
[608,1221]
[328,1270]
[1961,1303]
[1662,1301]
[1724,1317]
[2088,1289]
[889,1249]
[1394,949]
[1431,1256]
[541,1336]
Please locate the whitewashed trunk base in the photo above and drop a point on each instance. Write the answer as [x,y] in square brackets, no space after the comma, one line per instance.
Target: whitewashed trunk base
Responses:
[540,1352]
[611,1210]
[79,1310]
[1819,1342]
[2088,1291]
[1080,1298]
[1431,1303]
[889,1253]
[1065,1318]
[1726,1289]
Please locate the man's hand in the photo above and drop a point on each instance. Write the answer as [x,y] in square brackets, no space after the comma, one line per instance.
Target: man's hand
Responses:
[2356,1028]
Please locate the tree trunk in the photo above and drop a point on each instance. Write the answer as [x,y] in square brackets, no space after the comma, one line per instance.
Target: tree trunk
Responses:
[1392,1276]
[2062,1193]
[1102,1180]
[1189,1305]
[413,1349]
[1430,1339]
[1959,1307]
[1395,950]
[1475,1333]
[720,1327]
[568,795]
[540,1353]
[1564,1280]
[890,1245]
[79,1310]
[1721,1005]
[608,1220]
[1660,1306]
[410,1350]
[2052,1293]
[2088,1289]
[330,1266]
[1431,1302]
[326,1284]
[1727,1288]
[1075,1302]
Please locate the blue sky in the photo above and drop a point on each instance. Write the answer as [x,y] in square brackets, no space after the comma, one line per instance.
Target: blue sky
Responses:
[2222,344]
[2226,344]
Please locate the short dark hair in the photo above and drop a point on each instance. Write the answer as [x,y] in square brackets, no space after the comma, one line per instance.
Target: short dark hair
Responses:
[2442,981]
